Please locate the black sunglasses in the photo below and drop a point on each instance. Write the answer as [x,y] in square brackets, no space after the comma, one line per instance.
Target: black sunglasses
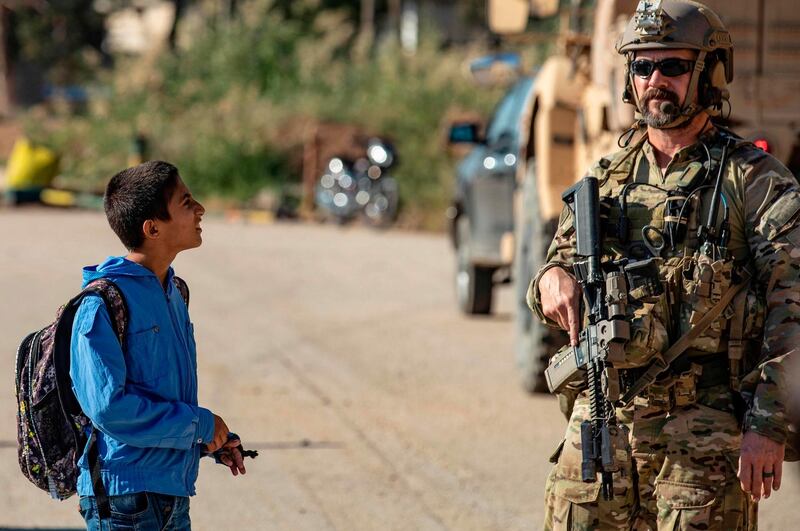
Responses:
[671,67]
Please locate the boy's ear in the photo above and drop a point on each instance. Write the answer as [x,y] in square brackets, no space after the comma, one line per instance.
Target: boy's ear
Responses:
[150,229]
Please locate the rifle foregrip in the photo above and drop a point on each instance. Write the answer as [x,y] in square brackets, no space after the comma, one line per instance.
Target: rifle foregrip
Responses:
[588,463]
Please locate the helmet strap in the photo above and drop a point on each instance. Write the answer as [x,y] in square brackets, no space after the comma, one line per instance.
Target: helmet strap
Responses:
[692,104]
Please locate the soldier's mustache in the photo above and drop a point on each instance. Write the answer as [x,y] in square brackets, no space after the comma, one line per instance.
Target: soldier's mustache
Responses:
[661,94]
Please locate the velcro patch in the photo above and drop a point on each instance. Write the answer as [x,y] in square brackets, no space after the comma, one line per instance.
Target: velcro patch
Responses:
[777,218]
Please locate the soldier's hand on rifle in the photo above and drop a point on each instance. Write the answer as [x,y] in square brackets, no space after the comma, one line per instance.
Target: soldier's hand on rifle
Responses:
[760,465]
[560,296]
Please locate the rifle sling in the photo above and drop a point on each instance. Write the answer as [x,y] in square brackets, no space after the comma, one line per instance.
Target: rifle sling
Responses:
[663,362]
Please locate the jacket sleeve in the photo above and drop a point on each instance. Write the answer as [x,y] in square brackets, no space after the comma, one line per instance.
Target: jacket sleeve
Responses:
[772,225]
[98,373]
[561,253]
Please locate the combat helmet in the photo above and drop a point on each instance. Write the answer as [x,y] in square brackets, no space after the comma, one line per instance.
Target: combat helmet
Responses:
[682,24]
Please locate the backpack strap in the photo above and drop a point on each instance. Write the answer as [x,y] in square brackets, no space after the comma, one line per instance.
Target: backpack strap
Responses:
[115,304]
[183,288]
[117,308]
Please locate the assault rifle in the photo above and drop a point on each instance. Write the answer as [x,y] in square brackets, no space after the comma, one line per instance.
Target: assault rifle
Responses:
[600,344]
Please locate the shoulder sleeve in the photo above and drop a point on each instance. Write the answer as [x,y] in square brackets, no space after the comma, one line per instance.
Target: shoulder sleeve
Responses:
[772,229]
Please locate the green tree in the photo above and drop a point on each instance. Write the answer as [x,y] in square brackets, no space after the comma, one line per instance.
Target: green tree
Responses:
[56,35]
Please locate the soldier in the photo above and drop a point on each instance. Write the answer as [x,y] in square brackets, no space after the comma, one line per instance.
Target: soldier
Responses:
[707,439]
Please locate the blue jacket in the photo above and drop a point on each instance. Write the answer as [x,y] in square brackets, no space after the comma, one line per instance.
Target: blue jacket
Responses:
[143,399]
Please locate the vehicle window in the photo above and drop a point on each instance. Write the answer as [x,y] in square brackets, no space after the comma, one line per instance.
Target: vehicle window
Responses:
[506,115]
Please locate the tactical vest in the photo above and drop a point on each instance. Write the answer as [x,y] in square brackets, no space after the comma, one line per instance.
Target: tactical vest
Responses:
[643,219]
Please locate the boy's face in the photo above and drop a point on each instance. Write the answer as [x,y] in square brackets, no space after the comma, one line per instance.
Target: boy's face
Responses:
[182,231]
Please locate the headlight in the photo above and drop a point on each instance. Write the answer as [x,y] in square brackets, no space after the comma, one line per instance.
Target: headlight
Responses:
[327,181]
[362,197]
[336,165]
[340,200]
[378,154]
[345,181]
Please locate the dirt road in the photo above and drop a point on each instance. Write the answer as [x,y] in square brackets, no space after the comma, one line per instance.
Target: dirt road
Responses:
[338,353]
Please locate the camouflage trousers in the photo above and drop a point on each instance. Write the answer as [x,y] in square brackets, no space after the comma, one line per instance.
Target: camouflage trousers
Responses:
[678,474]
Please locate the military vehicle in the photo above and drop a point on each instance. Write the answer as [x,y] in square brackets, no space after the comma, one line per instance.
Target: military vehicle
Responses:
[482,229]
[577,115]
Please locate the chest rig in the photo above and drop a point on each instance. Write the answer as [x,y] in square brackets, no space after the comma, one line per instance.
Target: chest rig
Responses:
[689,334]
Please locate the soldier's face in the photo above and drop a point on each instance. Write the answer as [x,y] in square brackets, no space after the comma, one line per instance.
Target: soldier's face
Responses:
[656,89]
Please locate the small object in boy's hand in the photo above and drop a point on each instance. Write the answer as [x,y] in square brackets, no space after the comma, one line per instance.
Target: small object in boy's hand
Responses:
[248,453]
[245,453]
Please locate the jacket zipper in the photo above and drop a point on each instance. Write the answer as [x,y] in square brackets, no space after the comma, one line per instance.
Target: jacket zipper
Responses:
[190,454]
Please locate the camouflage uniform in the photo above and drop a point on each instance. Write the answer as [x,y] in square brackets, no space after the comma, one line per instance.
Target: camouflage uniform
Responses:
[680,471]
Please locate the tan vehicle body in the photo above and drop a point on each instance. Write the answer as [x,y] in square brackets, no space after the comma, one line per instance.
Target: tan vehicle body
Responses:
[579,88]
[577,116]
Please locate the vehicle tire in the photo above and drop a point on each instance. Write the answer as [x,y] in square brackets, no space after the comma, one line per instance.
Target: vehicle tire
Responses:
[473,283]
[535,343]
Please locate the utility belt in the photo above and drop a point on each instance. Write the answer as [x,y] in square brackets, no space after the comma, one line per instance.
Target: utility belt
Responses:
[679,386]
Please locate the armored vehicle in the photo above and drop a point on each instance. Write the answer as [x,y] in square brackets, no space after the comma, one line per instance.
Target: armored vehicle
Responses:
[482,222]
[577,115]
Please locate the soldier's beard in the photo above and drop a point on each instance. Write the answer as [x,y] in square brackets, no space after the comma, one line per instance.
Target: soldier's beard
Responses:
[658,118]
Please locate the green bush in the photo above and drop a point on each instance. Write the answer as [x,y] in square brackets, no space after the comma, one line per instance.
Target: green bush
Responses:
[221,108]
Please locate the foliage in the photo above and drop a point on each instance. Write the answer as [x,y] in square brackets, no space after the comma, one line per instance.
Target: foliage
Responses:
[64,37]
[227,110]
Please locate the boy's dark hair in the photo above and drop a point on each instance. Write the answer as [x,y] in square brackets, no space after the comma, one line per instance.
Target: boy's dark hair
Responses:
[137,194]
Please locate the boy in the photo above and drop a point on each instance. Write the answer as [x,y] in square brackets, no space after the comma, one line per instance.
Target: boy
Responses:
[142,400]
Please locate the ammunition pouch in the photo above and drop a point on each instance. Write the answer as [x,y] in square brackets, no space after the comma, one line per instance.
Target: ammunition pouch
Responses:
[649,336]
[704,282]
[647,312]
[680,385]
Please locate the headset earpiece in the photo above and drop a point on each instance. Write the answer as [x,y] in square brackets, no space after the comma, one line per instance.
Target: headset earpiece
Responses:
[627,93]
[718,80]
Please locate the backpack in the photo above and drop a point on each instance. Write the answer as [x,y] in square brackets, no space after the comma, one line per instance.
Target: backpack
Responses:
[51,427]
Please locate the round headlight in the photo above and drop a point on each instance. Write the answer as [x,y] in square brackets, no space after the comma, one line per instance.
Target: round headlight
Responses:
[336,165]
[340,200]
[327,181]
[378,154]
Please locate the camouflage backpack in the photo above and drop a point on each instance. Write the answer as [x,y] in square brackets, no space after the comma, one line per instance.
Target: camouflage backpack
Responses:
[51,427]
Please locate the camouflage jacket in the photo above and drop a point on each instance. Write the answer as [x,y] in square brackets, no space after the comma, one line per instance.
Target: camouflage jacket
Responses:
[762,200]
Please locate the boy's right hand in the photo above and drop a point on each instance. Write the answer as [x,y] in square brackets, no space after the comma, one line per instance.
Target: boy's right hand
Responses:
[220,435]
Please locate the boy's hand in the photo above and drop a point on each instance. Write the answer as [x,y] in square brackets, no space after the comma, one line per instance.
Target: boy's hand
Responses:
[231,456]
[220,435]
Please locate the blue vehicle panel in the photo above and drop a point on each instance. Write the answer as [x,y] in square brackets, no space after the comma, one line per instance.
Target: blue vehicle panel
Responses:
[486,177]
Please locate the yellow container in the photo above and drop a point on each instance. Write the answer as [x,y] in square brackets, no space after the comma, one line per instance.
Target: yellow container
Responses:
[30,166]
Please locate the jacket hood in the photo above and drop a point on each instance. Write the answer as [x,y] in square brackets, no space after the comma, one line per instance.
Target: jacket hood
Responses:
[117,266]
